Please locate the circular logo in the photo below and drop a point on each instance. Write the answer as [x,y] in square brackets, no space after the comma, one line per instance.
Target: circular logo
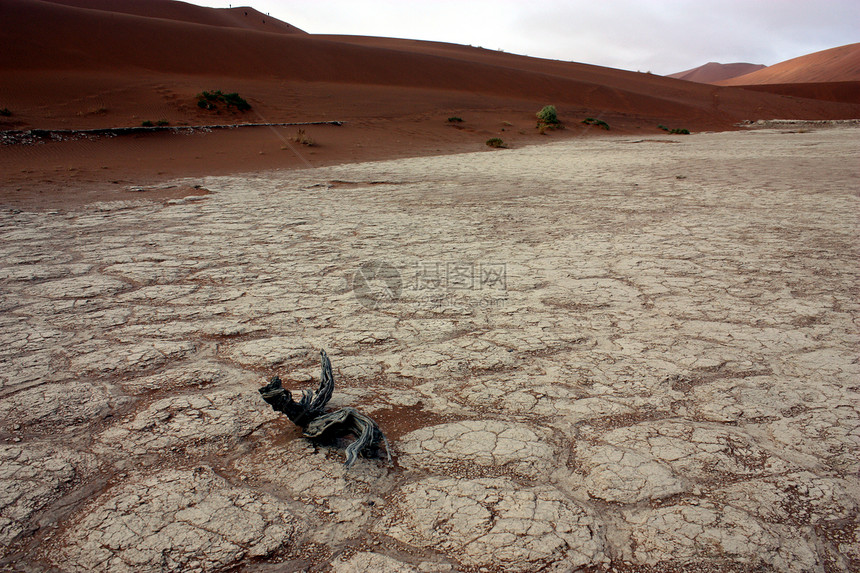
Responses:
[376,283]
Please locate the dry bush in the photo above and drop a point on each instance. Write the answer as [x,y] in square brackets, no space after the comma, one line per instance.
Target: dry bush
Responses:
[303,138]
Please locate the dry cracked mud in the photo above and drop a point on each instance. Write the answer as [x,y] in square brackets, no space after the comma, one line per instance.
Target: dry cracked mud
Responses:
[636,355]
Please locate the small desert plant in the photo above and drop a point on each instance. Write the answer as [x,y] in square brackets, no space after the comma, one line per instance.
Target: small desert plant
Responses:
[548,115]
[146,123]
[210,100]
[5,112]
[455,119]
[204,103]
[675,131]
[596,122]
[162,122]
[496,142]
[303,138]
[238,102]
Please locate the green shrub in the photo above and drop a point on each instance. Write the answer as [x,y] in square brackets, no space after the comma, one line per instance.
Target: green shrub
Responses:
[210,100]
[146,123]
[548,115]
[675,131]
[5,112]
[596,122]
[496,142]
[238,102]
[162,122]
[455,119]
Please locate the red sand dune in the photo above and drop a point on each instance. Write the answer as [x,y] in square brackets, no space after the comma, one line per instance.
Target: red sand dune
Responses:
[244,17]
[123,48]
[109,63]
[840,64]
[714,72]
[847,92]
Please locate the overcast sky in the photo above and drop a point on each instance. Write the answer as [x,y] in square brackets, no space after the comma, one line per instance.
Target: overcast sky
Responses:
[662,36]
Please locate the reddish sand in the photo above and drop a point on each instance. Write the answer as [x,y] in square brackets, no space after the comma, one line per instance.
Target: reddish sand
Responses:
[243,17]
[848,92]
[80,64]
[713,72]
[840,64]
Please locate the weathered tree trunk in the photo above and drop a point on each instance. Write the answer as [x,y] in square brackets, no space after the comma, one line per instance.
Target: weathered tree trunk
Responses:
[309,414]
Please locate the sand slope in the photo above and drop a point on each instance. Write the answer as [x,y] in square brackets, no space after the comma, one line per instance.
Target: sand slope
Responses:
[840,64]
[77,39]
[244,17]
[714,72]
[848,92]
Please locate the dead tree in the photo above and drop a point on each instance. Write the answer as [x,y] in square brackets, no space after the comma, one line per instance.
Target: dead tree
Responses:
[309,414]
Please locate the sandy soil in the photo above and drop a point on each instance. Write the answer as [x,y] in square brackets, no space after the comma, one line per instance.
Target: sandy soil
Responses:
[828,91]
[58,174]
[637,352]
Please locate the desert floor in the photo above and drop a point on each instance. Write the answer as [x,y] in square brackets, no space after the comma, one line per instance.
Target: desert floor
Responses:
[611,351]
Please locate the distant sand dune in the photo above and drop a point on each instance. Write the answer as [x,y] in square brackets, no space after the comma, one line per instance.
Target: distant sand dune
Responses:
[713,72]
[840,64]
[244,17]
[95,64]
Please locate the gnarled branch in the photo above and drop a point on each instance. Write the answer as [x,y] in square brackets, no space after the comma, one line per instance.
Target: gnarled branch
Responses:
[309,414]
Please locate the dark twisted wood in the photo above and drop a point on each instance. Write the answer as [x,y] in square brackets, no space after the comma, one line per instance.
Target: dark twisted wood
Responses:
[309,414]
